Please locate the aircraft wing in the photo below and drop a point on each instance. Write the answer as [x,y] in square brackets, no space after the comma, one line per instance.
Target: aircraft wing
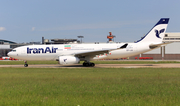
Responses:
[97,52]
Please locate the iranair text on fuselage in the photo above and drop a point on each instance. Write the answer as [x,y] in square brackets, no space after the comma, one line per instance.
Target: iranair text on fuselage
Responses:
[41,50]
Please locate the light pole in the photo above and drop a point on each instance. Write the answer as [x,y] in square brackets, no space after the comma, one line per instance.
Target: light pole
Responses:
[80,37]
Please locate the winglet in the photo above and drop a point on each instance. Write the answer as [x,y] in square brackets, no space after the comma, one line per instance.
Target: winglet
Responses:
[124,46]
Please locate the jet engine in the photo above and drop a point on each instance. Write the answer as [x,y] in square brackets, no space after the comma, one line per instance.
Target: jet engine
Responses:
[68,60]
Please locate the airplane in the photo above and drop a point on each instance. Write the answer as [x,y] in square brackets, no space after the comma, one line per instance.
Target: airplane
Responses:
[68,54]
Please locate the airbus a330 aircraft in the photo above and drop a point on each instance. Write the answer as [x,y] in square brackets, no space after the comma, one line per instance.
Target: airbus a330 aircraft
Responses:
[74,53]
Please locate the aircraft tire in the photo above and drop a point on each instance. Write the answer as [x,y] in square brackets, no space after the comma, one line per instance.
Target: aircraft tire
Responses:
[25,65]
[88,64]
[92,64]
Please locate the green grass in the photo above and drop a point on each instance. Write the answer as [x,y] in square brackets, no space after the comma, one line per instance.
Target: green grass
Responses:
[96,62]
[89,87]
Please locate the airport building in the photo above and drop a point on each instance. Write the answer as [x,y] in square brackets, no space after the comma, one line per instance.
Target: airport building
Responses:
[5,47]
[59,41]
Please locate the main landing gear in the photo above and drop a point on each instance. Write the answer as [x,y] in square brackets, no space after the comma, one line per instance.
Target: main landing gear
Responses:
[88,64]
[25,64]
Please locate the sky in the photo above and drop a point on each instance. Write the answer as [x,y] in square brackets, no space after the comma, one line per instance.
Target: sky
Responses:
[129,20]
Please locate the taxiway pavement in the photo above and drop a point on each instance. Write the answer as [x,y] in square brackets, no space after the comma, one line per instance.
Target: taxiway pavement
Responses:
[175,65]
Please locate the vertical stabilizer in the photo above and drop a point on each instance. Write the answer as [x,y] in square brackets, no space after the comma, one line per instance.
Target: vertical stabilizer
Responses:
[156,34]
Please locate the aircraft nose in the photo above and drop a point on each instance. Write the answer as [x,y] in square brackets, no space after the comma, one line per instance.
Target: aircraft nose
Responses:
[9,54]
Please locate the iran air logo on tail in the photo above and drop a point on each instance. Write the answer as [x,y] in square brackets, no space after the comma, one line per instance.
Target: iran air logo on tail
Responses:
[159,32]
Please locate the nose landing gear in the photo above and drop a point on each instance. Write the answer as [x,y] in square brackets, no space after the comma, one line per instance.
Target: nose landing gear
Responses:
[25,65]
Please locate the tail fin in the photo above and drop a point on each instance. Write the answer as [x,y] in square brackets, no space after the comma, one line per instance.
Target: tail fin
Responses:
[156,34]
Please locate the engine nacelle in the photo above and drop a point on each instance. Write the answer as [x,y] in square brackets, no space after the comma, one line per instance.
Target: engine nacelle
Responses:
[68,60]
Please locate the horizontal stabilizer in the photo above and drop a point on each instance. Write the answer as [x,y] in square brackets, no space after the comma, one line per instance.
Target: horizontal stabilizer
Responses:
[153,46]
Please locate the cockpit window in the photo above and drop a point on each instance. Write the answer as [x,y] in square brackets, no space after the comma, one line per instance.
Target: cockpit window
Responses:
[13,50]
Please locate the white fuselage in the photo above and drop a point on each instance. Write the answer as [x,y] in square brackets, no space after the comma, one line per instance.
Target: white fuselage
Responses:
[52,52]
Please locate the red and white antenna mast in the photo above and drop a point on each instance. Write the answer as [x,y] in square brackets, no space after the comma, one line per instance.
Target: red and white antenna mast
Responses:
[110,37]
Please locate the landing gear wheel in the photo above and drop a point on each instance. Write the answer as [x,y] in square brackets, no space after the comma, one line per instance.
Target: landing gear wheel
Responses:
[88,64]
[25,65]
[92,64]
